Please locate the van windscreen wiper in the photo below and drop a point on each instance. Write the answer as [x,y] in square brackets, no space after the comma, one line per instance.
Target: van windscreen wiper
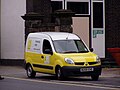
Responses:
[70,52]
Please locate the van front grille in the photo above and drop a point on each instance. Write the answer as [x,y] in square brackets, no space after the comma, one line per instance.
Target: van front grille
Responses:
[79,63]
[91,63]
[82,63]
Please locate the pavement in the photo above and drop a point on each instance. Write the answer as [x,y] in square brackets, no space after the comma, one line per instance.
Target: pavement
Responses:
[18,71]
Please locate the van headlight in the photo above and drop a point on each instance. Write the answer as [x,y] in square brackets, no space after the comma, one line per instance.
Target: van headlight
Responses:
[69,61]
[98,59]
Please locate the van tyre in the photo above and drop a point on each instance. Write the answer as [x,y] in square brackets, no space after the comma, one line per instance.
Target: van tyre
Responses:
[95,77]
[59,74]
[30,72]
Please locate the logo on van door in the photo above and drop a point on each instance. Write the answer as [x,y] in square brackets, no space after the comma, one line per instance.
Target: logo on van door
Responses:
[34,45]
[47,60]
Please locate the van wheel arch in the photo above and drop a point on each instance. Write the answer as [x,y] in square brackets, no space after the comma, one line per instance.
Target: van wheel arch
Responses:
[27,64]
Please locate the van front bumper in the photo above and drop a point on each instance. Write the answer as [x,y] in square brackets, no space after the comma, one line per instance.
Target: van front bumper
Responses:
[81,71]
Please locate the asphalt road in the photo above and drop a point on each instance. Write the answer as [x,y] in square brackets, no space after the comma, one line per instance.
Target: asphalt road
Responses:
[16,79]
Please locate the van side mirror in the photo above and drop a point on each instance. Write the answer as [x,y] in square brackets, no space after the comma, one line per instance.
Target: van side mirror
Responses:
[91,49]
[48,51]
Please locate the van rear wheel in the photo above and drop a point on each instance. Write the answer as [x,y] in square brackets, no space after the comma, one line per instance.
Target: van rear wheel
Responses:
[30,72]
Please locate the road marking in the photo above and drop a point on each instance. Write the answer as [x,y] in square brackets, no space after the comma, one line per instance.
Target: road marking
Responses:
[78,84]
[86,83]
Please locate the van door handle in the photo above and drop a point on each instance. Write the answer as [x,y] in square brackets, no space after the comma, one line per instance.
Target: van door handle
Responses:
[42,56]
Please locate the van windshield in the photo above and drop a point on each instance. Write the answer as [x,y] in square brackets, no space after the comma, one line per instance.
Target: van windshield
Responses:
[70,46]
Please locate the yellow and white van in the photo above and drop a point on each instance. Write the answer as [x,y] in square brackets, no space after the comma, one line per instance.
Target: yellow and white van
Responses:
[61,54]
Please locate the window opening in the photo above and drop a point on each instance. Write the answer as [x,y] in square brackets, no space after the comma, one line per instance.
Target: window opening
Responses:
[46,46]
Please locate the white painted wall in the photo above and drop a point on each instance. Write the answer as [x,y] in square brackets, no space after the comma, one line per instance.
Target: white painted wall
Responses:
[0,29]
[12,29]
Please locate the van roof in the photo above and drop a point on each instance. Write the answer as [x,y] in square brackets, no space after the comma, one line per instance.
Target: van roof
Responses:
[57,35]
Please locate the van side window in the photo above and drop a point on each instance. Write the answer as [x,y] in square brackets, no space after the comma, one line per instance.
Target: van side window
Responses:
[46,47]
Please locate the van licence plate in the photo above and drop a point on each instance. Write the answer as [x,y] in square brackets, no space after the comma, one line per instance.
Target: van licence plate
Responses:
[86,69]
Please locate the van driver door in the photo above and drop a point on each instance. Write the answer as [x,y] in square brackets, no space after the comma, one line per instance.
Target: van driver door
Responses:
[47,56]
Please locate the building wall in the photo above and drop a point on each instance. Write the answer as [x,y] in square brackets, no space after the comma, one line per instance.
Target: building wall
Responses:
[112,9]
[0,29]
[12,29]
[112,23]
[83,32]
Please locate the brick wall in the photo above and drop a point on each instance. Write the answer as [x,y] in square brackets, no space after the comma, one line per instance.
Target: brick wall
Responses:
[112,11]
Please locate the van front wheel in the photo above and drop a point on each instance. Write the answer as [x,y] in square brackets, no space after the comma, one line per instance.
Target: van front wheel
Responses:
[95,77]
[30,72]
[59,73]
